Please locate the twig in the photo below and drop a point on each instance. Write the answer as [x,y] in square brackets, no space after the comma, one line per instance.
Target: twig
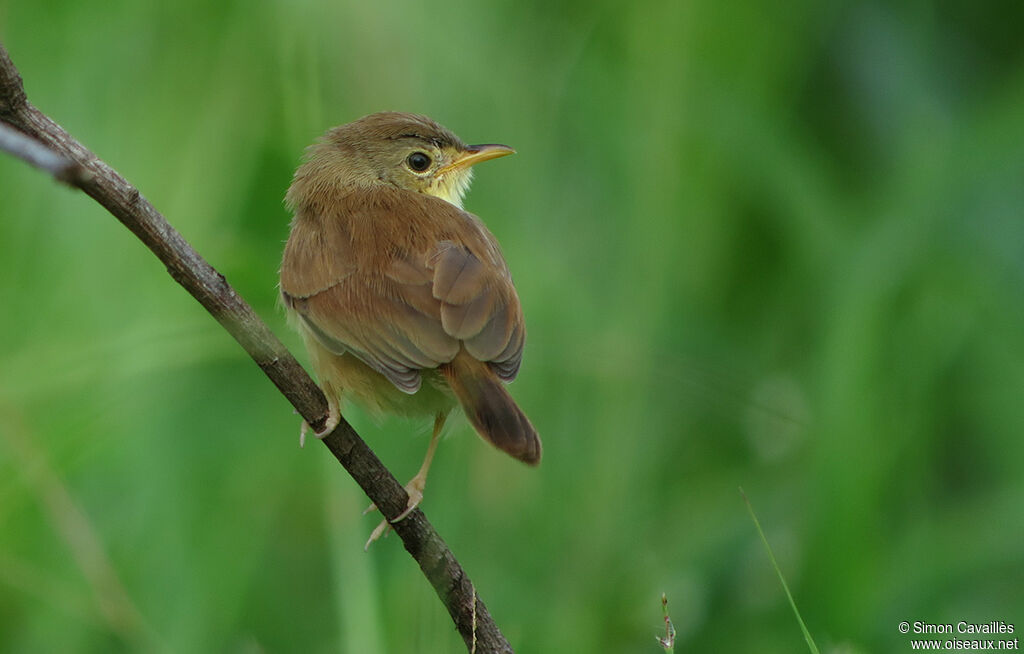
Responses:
[211,289]
[40,156]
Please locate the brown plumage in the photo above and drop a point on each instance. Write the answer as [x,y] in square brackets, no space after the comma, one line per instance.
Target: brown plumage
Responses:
[403,299]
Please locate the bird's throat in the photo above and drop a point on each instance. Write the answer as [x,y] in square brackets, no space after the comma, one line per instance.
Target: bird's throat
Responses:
[452,187]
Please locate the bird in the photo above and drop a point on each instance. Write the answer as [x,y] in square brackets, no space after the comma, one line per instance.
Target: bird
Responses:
[403,299]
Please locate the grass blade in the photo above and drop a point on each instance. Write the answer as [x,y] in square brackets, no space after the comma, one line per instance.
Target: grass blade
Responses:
[775,564]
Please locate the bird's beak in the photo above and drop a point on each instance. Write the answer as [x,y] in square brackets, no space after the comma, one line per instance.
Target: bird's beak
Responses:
[474,154]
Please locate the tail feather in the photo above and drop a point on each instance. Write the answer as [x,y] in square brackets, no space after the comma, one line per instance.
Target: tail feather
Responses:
[491,410]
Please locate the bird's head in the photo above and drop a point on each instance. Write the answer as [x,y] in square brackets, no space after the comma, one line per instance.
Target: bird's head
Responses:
[405,150]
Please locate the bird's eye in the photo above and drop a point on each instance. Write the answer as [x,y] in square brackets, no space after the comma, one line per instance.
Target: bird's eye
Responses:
[418,161]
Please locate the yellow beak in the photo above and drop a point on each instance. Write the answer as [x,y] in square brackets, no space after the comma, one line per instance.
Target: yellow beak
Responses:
[474,154]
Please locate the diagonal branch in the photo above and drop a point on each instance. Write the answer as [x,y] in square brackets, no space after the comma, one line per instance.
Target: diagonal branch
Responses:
[54,150]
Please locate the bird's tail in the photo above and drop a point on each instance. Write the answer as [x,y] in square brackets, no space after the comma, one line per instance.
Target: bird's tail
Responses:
[491,410]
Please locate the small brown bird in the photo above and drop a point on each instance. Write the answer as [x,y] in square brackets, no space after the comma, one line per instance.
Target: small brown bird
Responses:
[403,299]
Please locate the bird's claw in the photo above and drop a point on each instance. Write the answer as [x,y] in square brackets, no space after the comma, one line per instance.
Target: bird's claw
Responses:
[333,419]
[415,491]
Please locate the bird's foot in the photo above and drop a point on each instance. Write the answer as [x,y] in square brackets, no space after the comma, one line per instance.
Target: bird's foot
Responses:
[333,418]
[415,491]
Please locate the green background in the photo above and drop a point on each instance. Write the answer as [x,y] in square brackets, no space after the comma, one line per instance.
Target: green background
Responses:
[777,246]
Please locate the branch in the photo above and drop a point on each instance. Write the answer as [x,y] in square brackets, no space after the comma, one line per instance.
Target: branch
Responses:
[42,157]
[44,143]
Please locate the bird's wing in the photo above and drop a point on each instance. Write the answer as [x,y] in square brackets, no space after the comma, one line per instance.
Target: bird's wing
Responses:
[420,279]
[479,305]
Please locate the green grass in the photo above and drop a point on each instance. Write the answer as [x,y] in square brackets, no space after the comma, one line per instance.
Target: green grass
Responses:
[782,579]
[772,246]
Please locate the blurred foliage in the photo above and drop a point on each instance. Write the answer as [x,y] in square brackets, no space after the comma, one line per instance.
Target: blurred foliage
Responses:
[776,245]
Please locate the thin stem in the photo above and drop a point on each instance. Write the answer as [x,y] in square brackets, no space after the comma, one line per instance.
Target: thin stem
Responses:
[40,156]
[785,587]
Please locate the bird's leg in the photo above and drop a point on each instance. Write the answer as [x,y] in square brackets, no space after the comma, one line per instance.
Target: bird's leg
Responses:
[333,418]
[415,486]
